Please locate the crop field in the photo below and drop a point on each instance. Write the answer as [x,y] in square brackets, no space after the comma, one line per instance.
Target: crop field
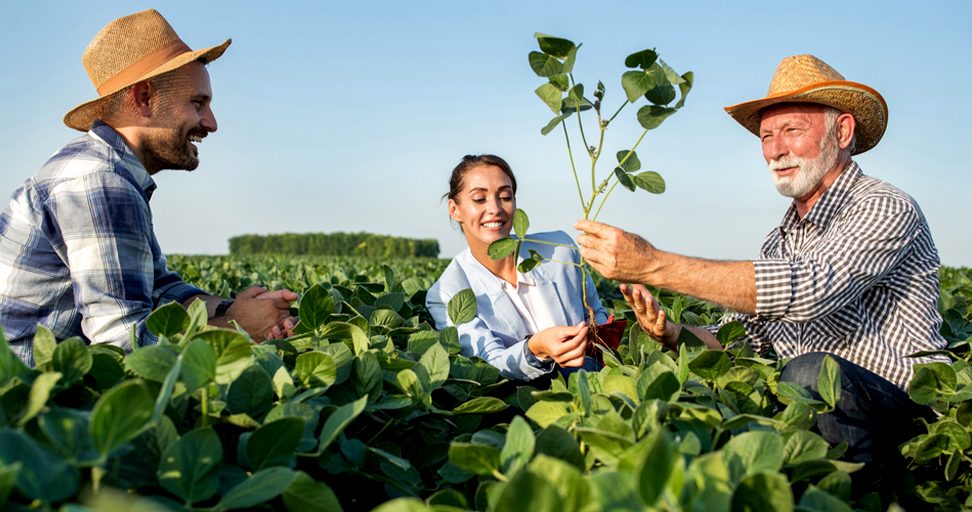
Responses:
[369,407]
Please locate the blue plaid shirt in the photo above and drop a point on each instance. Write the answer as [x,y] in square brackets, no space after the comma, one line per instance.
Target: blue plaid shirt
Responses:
[78,252]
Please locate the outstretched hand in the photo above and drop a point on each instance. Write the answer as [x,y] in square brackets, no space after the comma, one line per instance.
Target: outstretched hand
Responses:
[565,345]
[651,317]
[614,253]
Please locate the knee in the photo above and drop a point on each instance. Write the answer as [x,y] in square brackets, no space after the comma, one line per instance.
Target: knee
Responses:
[803,370]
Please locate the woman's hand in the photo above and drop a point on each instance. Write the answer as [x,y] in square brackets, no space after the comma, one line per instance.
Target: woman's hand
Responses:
[565,345]
[651,317]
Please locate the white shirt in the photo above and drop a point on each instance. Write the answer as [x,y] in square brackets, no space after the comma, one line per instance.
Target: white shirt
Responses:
[533,309]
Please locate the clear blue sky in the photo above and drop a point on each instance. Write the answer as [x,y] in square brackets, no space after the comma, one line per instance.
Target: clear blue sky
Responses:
[348,116]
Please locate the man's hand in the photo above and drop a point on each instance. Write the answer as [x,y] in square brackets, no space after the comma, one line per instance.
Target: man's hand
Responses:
[565,345]
[614,253]
[261,313]
[651,317]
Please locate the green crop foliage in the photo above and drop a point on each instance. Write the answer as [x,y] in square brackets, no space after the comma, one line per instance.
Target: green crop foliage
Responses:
[358,412]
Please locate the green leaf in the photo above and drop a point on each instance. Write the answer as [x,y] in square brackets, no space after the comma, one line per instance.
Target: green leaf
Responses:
[643,59]
[345,331]
[479,459]
[462,306]
[120,415]
[545,65]
[481,405]
[753,452]
[527,265]
[628,161]
[252,393]
[518,446]
[315,369]
[663,92]
[8,477]
[711,364]
[828,381]
[552,96]
[527,492]
[624,179]
[730,331]
[72,358]
[190,467]
[275,443]
[650,181]
[556,46]
[168,320]
[260,487]
[570,59]
[339,420]
[315,307]
[44,345]
[410,383]
[561,82]
[657,465]
[575,100]
[652,116]
[435,363]
[636,84]
[501,248]
[931,381]
[67,431]
[687,80]
[43,475]
[521,223]
[198,365]
[547,129]
[10,365]
[40,392]
[306,495]
[817,500]
[152,362]
[557,442]
[763,492]
[803,445]
[233,351]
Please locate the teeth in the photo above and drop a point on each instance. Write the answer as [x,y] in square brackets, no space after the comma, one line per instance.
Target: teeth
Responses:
[195,138]
[492,224]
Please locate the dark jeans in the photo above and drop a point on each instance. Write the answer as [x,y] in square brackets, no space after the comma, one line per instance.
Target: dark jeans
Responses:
[872,415]
[590,364]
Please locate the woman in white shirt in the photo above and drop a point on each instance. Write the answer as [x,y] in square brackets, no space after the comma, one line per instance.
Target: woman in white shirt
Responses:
[526,323]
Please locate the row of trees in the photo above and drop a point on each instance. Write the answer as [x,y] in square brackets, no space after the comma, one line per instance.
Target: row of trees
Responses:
[336,244]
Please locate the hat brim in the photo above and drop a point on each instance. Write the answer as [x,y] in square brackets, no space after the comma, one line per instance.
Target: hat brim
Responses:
[868,107]
[82,116]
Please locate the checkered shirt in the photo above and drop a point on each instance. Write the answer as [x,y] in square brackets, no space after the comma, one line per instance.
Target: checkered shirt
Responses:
[856,277]
[78,252]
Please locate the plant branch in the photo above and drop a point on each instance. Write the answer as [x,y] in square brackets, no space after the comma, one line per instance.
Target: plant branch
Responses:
[570,153]
[618,112]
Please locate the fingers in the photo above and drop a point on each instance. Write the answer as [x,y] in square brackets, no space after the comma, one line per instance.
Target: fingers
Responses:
[251,292]
[282,294]
[593,227]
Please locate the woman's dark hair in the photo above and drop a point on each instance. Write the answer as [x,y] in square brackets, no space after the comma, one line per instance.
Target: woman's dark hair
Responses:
[470,161]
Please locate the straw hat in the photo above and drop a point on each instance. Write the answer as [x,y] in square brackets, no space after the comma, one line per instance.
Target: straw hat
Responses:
[128,50]
[807,79]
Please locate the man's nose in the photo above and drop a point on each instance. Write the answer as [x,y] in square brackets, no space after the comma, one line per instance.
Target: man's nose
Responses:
[209,120]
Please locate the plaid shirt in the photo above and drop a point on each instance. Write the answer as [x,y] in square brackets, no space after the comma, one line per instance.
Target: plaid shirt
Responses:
[856,277]
[78,252]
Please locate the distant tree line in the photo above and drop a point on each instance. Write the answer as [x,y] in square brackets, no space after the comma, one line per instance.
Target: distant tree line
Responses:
[336,244]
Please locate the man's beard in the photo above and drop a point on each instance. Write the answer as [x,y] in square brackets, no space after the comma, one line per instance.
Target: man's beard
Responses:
[811,171]
[167,148]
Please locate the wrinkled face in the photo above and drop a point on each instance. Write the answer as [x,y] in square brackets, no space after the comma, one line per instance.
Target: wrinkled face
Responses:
[484,206]
[181,118]
[800,147]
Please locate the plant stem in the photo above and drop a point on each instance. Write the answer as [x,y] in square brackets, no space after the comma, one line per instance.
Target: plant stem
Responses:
[544,242]
[620,164]
[618,112]
[580,124]
[573,167]
[604,200]
[205,406]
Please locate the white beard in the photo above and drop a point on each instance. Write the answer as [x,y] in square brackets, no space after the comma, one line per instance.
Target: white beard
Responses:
[810,171]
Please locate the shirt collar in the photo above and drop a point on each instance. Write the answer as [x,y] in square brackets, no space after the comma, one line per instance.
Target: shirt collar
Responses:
[109,136]
[831,202]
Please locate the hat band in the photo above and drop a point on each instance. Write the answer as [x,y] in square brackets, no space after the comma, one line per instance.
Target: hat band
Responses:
[142,66]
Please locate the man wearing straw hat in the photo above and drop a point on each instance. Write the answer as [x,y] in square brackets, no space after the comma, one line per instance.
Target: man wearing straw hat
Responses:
[78,253]
[851,271]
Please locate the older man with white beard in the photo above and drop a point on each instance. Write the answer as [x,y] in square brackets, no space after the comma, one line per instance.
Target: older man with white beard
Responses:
[851,272]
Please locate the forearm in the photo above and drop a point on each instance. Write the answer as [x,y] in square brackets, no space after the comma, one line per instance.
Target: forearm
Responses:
[731,284]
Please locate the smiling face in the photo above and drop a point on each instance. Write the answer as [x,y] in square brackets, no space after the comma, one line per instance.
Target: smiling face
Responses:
[181,118]
[805,148]
[484,206]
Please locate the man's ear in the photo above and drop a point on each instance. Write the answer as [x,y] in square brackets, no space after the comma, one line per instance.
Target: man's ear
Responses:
[141,96]
[846,124]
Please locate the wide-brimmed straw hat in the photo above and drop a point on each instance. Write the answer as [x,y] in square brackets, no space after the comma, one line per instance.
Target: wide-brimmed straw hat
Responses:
[807,79]
[128,50]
